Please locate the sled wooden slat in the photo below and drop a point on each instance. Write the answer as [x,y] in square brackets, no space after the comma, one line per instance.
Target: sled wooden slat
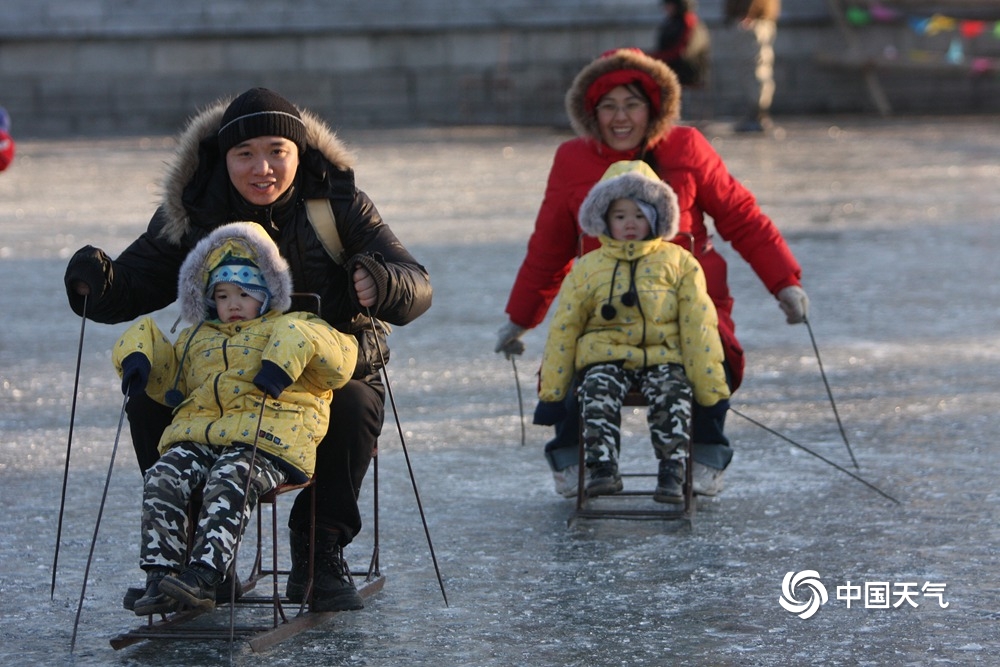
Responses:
[152,630]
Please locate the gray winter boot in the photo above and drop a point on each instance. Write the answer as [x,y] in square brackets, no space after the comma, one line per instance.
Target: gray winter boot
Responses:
[333,588]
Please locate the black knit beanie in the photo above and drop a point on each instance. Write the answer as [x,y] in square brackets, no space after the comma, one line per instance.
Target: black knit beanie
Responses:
[260,112]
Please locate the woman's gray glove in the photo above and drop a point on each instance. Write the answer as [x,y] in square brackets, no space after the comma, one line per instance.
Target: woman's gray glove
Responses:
[794,303]
[509,340]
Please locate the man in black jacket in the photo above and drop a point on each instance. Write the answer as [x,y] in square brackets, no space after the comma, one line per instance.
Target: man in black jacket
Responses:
[261,159]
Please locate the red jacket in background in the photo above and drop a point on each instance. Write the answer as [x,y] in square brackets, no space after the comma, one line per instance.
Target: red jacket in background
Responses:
[672,43]
[7,150]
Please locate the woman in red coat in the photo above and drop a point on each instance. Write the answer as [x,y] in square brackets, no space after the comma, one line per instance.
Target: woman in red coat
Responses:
[623,106]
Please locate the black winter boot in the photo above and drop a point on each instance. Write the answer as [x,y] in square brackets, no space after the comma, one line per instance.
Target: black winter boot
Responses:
[224,591]
[670,482]
[194,587]
[333,588]
[295,588]
[131,595]
[151,600]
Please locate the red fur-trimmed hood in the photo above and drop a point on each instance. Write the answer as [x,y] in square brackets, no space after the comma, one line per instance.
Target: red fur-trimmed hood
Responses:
[655,76]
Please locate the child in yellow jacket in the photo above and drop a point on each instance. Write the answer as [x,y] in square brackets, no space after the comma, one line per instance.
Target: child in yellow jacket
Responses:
[243,374]
[634,313]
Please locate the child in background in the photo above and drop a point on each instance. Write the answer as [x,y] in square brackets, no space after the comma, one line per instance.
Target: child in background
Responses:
[240,358]
[635,312]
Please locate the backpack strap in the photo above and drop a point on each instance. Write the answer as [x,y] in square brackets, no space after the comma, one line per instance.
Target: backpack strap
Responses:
[320,215]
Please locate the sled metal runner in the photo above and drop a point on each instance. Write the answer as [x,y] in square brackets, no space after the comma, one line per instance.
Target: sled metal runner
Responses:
[196,625]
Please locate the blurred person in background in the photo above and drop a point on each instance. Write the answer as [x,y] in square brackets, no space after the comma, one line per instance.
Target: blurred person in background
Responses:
[753,26]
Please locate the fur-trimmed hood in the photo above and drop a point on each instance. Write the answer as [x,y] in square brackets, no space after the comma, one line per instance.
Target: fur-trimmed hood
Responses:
[192,149]
[630,180]
[662,116]
[242,240]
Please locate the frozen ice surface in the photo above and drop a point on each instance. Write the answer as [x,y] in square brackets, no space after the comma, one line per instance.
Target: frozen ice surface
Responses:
[895,224]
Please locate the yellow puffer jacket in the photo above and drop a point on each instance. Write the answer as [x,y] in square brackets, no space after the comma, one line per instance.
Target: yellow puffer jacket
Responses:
[212,366]
[673,320]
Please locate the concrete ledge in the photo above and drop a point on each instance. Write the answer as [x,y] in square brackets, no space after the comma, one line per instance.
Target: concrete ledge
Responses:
[94,67]
[93,19]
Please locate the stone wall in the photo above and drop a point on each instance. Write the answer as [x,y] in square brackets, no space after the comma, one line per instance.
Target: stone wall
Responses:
[138,66]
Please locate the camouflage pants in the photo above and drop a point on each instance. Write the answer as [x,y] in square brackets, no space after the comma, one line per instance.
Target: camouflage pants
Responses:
[668,395]
[166,495]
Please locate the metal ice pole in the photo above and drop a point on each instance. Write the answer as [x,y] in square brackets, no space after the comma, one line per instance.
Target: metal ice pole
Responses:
[69,446]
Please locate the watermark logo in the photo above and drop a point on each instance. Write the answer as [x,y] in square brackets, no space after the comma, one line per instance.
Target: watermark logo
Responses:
[806,579]
[872,594]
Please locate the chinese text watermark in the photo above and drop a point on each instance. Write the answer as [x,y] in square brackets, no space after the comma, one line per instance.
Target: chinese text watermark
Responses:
[803,593]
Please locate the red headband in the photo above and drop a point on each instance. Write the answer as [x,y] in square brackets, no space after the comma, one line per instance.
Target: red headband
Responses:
[622,77]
